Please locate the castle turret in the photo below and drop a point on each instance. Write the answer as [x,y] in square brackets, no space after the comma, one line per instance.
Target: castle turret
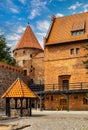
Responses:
[27,47]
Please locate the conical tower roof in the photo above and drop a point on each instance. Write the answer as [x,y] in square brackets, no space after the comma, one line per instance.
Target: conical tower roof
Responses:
[19,89]
[28,40]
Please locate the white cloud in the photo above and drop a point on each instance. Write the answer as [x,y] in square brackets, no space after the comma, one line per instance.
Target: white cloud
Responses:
[13,10]
[23,1]
[36,7]
[1,32]
[41,34]
[85,7]
[59,15]
[13,37]
[38,3]
[43,25]
[40,38]
[20,29]
[34,13]
[75,6]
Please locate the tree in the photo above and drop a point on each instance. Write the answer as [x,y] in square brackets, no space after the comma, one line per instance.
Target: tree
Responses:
[5,53]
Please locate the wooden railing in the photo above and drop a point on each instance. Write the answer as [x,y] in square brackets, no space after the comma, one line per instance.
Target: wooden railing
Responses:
[54,87]
[72,86]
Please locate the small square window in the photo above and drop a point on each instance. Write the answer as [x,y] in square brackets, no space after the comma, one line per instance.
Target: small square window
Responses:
[51,98]
[15,53]
[23,52]
[72,51]
[75,97]
[23,61]
[77,51]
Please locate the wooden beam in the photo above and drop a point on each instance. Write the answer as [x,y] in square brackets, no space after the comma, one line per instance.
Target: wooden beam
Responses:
[30,112]
[8,107]
[21,108]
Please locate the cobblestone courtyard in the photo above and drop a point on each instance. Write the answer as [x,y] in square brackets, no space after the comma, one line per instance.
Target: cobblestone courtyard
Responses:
[50,120]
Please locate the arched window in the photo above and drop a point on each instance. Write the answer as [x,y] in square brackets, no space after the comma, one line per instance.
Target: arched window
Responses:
[25,72]
[15,53]
[24,52]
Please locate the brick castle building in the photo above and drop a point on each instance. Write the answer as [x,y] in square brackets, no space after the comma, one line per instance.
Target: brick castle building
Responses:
[60,65]
[66,81]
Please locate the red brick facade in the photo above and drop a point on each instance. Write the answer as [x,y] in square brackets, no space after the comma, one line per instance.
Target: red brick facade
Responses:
[64,68]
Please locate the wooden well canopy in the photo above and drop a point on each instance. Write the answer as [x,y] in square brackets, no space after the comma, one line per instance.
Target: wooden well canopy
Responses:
[18,91]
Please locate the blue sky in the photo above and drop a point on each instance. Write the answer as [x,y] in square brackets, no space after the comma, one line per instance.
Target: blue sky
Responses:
[15,14]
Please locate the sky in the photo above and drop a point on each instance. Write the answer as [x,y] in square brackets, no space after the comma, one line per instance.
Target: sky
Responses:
[15,15]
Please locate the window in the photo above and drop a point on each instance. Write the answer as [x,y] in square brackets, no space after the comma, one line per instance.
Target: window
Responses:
[72,51]
[77,51]
[85,101]
[25,72]
[15,53]
[51,98]
[23,52]
[78,28]
[75,97]
[23,61]
[31,55]
[75,33]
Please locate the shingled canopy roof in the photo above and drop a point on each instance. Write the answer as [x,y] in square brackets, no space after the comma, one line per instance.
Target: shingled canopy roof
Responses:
[60,31]
[28,40]
[19,89]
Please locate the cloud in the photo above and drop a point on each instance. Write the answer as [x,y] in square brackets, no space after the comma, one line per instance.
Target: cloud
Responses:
[85,7]
[34,13]
[1,32]
[22,1]
[40,38]
[20,29]
[13,10]
[75,6]
[13,37]
[43,25]
[36,7]
[59,15]
[8,5]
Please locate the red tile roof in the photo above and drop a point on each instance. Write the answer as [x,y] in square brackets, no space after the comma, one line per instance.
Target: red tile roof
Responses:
[19,89]
[28,40]
[61,29]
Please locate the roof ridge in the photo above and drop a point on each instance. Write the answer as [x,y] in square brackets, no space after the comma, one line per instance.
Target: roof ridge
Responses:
[72,15]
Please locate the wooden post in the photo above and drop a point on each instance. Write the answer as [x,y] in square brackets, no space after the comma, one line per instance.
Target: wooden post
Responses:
[36,103]
[67,96]
[8,107]
[41,102]
[26,102]
[15,103]
[21,108]
[30,112]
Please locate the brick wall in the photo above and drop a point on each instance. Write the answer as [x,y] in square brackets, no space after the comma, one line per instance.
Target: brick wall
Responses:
[75,102]
[8,74]
[31,60]
[59,62]
[38,65]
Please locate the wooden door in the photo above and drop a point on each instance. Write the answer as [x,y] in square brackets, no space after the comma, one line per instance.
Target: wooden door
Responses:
[65,84]
[63,104]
